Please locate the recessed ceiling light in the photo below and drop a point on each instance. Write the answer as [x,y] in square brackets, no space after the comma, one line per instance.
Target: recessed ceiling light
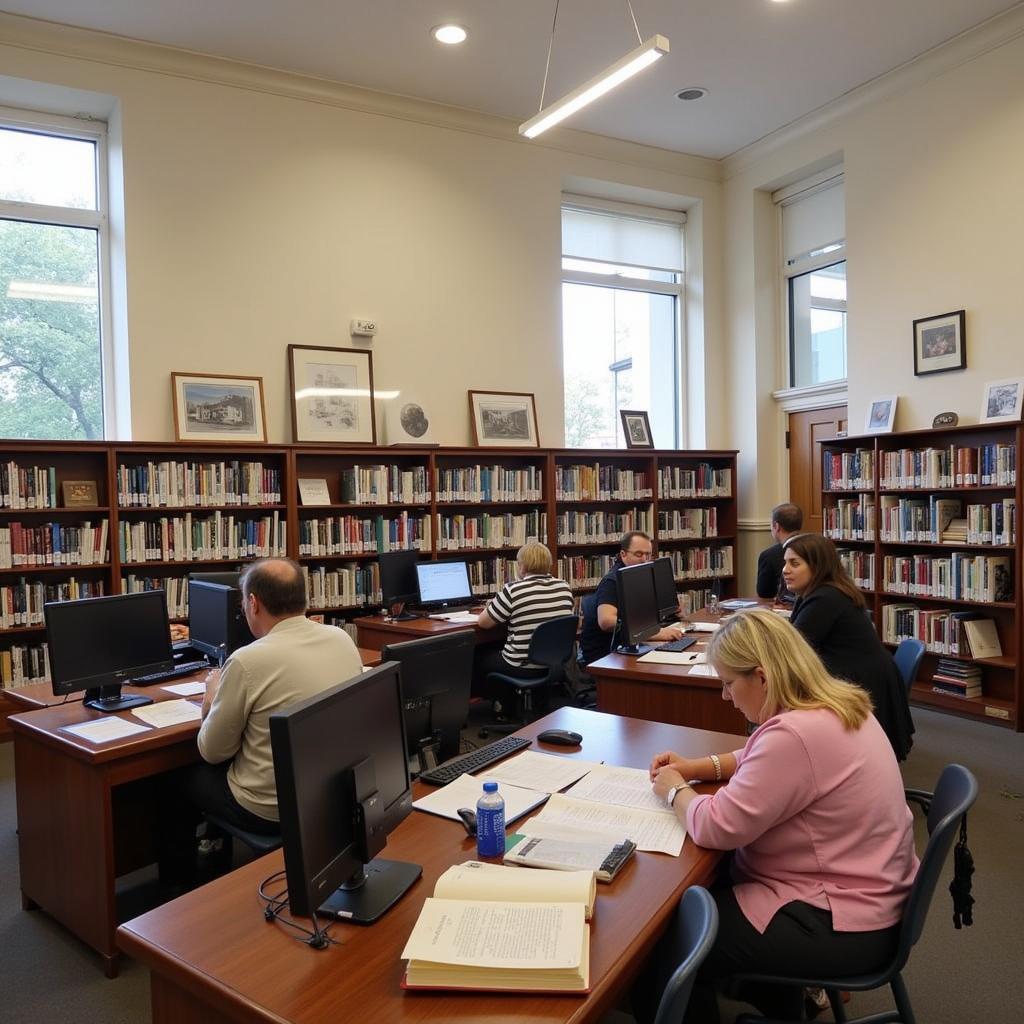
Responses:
[449,34]
[693,92]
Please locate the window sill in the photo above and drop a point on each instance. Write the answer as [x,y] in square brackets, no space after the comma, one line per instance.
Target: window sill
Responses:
[833,393]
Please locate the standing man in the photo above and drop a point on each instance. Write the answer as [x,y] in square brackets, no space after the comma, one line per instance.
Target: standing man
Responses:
[602,609]
[787,521]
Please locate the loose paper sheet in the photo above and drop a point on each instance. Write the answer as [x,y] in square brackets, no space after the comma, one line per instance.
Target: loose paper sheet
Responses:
[103,730]
[169,712]
[467,618]
[186,689]
[653,831]
[702,670]
[624,787]
[465,791]
[545,773]
[705,627]
[673,658]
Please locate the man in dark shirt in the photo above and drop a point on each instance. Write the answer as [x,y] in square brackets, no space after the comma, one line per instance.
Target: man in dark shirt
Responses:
[601,612]
[787,521]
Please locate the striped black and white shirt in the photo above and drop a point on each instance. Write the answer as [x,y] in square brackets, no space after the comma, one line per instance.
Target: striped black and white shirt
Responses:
[524,604]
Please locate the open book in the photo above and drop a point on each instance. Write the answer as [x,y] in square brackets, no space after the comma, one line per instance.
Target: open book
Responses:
[503,928]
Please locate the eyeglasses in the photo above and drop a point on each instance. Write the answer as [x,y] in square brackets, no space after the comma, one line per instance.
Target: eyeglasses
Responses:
[641,554]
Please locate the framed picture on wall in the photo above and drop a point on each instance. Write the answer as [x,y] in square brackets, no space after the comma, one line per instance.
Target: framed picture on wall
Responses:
[636,428]
[218,407]
[940,343]
[408,422]
[881,415]
[332,395]
[1002,400]
[503,419]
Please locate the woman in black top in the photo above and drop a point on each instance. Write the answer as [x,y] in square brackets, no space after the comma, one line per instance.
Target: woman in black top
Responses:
[830,613]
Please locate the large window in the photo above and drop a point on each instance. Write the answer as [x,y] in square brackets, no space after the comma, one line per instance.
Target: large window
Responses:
[622,286]
[52,255]
[814,273]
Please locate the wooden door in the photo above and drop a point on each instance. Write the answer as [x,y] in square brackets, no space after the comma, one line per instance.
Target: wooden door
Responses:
[807,429]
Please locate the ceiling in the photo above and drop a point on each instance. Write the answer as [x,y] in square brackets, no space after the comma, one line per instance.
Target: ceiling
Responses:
[764,63]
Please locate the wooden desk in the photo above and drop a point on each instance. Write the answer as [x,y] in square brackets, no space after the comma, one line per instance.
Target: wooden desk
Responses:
[213,958]
[377,631]
[87,812]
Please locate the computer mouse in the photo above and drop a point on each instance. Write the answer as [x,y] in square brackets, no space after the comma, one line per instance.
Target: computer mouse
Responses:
[560,737]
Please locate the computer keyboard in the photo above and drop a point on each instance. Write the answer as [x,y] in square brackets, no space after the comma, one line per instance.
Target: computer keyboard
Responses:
[678,646]
[184,668]
[474,760]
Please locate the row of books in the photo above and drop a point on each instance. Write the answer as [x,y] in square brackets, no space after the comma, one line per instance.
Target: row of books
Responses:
[24,544]
[488,575]
[702,481]
[860,565]
[957,679]
[600,527]
[490,483]
[175,587]
[960,577]
[27,486]
[339,622]
[935,520]
[702,562]
[21,603]
[583,572]
[343,586]
[942,630]
[21,664]
[847,471]
[355,535]
[174,484]
[601,483]
[995,523]
[483,530]
[381,485]
[680,524]
[849,519]
[987,465]
[201,538]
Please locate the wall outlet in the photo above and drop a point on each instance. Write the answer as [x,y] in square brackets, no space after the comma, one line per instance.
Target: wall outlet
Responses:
[363,328]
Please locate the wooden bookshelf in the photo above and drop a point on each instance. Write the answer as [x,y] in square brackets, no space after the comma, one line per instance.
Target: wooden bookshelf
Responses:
[886,517]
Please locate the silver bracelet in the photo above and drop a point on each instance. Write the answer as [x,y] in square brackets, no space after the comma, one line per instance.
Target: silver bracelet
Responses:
[718,767]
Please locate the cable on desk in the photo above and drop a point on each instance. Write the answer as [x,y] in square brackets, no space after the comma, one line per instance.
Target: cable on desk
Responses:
[274,911]
[77,700]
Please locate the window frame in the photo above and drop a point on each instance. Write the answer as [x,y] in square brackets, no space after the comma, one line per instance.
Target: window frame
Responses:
[85,129]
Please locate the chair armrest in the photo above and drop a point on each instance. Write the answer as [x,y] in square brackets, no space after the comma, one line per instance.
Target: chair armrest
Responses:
[921,797]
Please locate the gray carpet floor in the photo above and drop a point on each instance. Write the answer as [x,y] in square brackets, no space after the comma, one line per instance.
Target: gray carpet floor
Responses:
[954,976]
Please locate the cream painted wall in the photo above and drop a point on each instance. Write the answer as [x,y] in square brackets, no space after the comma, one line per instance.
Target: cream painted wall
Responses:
[255,219]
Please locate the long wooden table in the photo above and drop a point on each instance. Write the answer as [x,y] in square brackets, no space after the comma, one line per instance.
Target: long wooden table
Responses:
[87,813]
[214,959]
[377,631]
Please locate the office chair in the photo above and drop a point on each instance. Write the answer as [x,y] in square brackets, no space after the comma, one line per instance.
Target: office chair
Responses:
[258,843]
[551,645]
[907,656]
[690,938]
[954,795]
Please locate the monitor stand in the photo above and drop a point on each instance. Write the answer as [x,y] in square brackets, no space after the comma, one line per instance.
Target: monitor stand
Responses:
[108,698]
[404,613]
[634,650]
[378,887]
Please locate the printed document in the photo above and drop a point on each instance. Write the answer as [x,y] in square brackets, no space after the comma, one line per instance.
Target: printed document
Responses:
[186,689]
[672,658]
[653,831]
[624,787]
[169,712]
[546,773]
[103,730]
[465,791]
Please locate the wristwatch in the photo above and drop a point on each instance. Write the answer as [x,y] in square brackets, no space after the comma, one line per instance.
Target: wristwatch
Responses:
[671,795]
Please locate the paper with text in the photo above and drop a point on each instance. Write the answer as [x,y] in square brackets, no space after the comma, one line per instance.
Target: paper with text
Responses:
[169,712]
[545,773]
[103,730]
[624,787]
[653,831]
[465,791]
[186,689]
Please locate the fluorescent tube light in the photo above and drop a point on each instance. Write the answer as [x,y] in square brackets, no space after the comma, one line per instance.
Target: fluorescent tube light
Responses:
[634,61]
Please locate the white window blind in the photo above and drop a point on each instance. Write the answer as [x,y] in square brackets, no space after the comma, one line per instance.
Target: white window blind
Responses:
[623,240]
[812,220]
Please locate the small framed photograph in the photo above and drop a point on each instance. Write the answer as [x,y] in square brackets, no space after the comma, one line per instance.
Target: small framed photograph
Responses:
[940,343]
[218,407]
[79,493]
[1002,400]
[503,419]
[332,395]
[881,415]
[636,428]
[408,422]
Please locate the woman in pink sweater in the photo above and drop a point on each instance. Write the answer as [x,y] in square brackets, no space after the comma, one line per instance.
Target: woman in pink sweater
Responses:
[813,810]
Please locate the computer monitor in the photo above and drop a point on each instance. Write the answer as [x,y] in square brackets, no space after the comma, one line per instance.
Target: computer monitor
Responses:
[216,621]
[99,643]
[398,580]
[638,607]
[437,672]
[441,584]
[342,785]
[665,590]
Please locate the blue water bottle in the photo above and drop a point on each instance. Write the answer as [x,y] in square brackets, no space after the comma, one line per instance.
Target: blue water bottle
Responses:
[490,822]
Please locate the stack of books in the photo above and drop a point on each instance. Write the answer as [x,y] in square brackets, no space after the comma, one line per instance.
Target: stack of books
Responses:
[957,678]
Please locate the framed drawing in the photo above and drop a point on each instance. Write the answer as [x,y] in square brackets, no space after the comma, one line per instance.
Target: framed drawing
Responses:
[1002,400]
[636,429]
[940,343]
[881,415]
[503,419]
[218,407]
[332,395]
[408,422]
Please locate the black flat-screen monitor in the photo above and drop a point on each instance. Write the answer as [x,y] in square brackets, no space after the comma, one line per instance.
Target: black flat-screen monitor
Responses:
[638,607]
[99,643]
[665,590]
[443,584]
[216,622]
[342,785]
[437,672]
[398,580]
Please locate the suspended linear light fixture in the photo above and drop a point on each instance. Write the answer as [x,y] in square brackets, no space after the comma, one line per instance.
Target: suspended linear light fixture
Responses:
[625,68]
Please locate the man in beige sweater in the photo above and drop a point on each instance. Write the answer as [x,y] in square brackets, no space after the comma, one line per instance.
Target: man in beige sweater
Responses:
[292,658]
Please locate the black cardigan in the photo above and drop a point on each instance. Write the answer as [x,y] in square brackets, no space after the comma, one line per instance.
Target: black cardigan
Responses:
[847,643]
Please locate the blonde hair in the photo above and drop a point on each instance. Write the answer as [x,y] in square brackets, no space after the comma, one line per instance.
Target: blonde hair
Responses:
[796,678]
[534,558]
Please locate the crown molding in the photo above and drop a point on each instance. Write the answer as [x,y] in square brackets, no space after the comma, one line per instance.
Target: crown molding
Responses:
[975,42]
[118,51]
